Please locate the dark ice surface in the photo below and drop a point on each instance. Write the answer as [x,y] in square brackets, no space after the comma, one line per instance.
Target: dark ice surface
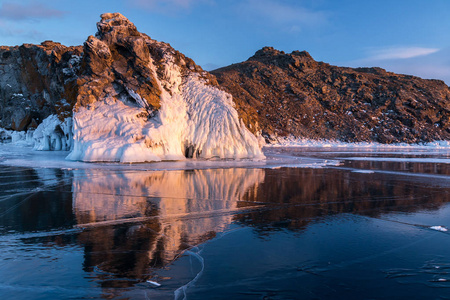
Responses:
[358,230]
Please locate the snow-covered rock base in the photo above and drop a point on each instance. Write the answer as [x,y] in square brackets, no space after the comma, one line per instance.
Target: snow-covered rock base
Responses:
[52,134]
[5,134]
[303,142]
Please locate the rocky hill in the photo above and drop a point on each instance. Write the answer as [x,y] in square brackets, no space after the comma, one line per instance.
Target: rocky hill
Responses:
[294,95]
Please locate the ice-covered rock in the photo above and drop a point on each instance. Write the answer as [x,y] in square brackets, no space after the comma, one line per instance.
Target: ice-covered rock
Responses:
[5,134]
[140,100]
[53,134]
[131,99]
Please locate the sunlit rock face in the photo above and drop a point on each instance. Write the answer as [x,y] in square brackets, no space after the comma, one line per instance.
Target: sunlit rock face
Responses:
[176,209]
[140,100]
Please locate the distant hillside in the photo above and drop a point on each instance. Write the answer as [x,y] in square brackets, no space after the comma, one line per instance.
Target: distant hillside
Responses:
[292,94]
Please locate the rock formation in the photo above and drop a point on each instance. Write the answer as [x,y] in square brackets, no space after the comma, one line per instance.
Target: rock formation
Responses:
[140,100]
[294,95]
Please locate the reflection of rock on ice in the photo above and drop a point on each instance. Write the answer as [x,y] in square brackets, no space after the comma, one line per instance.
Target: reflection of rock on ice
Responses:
[180,207]
[104,195]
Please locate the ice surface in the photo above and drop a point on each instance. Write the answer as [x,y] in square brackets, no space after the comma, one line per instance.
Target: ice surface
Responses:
[163,215]
[13,155]
[363,171]
[194,120]
[401,159]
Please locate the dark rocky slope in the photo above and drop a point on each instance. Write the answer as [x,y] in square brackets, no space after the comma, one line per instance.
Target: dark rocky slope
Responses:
[37,81]
[292,94]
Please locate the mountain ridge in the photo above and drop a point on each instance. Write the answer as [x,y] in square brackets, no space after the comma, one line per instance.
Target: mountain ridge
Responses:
[294,95]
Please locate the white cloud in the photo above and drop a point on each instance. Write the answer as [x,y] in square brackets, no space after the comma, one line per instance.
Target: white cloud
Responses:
[429,63]
[167,5]
[400,53]
[10,29]
[291,16]
[28,10]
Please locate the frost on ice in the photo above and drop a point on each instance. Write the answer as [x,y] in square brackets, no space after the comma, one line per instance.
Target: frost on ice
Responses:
[195,120]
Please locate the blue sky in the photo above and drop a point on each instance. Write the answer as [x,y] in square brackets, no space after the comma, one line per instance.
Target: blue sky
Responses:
[410,37]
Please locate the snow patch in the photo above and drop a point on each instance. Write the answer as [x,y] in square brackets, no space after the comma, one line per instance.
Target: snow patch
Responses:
[301,142]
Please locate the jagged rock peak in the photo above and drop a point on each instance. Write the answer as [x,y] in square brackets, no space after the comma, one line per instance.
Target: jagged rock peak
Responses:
[301,60]
[115,24]
[268,52]
[302,54]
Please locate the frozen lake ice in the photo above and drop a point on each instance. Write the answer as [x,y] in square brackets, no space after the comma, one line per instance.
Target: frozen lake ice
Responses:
[307,223]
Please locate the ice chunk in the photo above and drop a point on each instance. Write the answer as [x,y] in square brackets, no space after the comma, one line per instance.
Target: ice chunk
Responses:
[5,134]
[439,228]
[363,171]
[52,134]
[154,283]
